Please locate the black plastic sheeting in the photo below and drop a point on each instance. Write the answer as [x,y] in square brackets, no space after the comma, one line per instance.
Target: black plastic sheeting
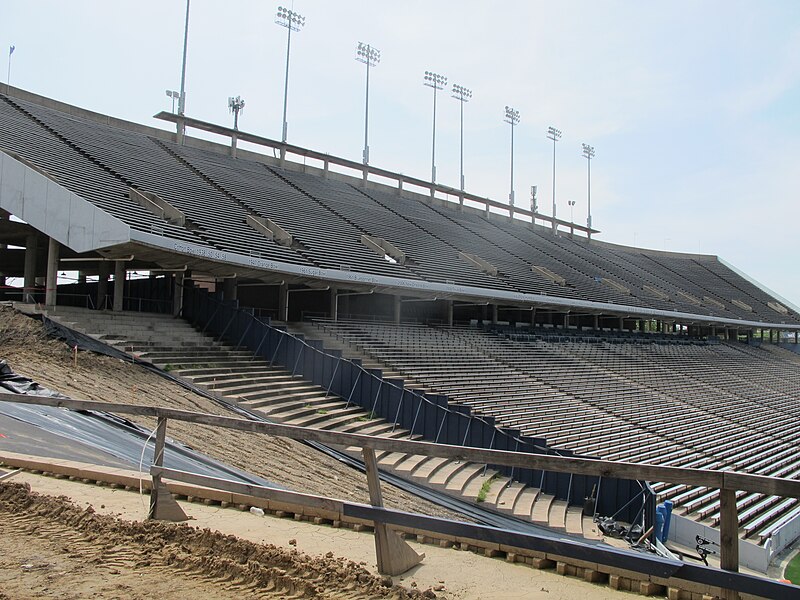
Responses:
[114,441]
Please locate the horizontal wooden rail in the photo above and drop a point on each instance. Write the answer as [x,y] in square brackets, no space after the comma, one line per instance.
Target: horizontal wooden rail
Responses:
[788,488]
[556,546]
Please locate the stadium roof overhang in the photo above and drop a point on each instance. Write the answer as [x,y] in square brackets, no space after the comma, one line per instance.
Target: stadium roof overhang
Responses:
[33,196]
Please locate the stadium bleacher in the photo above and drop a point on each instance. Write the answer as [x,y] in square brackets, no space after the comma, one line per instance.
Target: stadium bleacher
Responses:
[659,398]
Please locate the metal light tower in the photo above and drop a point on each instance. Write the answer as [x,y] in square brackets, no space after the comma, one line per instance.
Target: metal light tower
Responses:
[175,95]
[235,105]
[463,95]
[555,135]
[512,118]
[437,82]
[293,22]
[182,98]
[369,56]
[588,152]
[571,213]
[10,52]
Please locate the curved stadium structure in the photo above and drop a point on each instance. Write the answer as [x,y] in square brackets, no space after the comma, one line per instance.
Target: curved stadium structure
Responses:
[603,350]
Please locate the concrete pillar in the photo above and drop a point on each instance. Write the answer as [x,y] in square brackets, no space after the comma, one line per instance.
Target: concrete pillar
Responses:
[450,313]
[533,317]
[81,277]
[566,320]
[229,287]
[398,309]
[334,308]
[596,322]
[119,284]
[31,247]
[283,302]
[177,293]
[621,323]
[795,337]
[102,285]
[495,312]
[51,283]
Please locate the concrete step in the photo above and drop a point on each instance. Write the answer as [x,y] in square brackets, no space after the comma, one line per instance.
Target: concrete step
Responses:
[276,402]
[443,474]
[463,479]
[541,511]
[304,392]
[211,372]
[557,517]
[233,388]
[426,470]
[257,392]
[474,485]
[525,503]
[508,496]
[334,418]
[574,520]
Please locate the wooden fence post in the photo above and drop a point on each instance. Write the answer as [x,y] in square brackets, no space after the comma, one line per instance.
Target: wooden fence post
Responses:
[162,506]
[729,537]
[394,555]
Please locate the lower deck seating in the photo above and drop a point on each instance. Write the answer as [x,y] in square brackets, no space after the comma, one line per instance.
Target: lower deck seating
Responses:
[652,400]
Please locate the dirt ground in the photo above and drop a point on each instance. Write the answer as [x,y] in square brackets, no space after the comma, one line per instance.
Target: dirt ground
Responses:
[28,350]
[48,554]
[53,548]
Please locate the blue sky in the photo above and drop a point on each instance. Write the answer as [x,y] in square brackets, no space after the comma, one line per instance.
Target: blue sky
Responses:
[693,107]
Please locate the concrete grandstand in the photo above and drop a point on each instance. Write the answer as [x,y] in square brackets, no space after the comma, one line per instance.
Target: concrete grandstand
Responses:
[598,349]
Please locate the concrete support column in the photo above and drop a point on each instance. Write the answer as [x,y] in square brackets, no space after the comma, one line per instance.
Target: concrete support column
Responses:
[566,320]
[177,293]
[398,309]
[334,308]
[102,285]
[795,337]
[596,322]
[51,284]
[283,302]
[621,323]
[31,247]
[533,316]
[495,312]
[81,277]
[450,313]
[229,289]
[119,284]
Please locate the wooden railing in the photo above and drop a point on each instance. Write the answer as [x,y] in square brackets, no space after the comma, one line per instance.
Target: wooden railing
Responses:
[391,557]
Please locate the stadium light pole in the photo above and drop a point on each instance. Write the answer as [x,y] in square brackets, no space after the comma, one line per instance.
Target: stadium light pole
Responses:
[10,52]
[555,135]
[512,118]
[437,82]
[293,22]
[182,99]
[588,152]
[235,105]
[571,213]
[369,56]
[463,96]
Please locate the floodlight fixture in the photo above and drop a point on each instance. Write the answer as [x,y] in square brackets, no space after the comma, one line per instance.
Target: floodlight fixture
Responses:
[555,135]
[371,57]
[175,95]
[235,105]
[463,95]
[588,152]
[437,82]
[512,118]
[292,21]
